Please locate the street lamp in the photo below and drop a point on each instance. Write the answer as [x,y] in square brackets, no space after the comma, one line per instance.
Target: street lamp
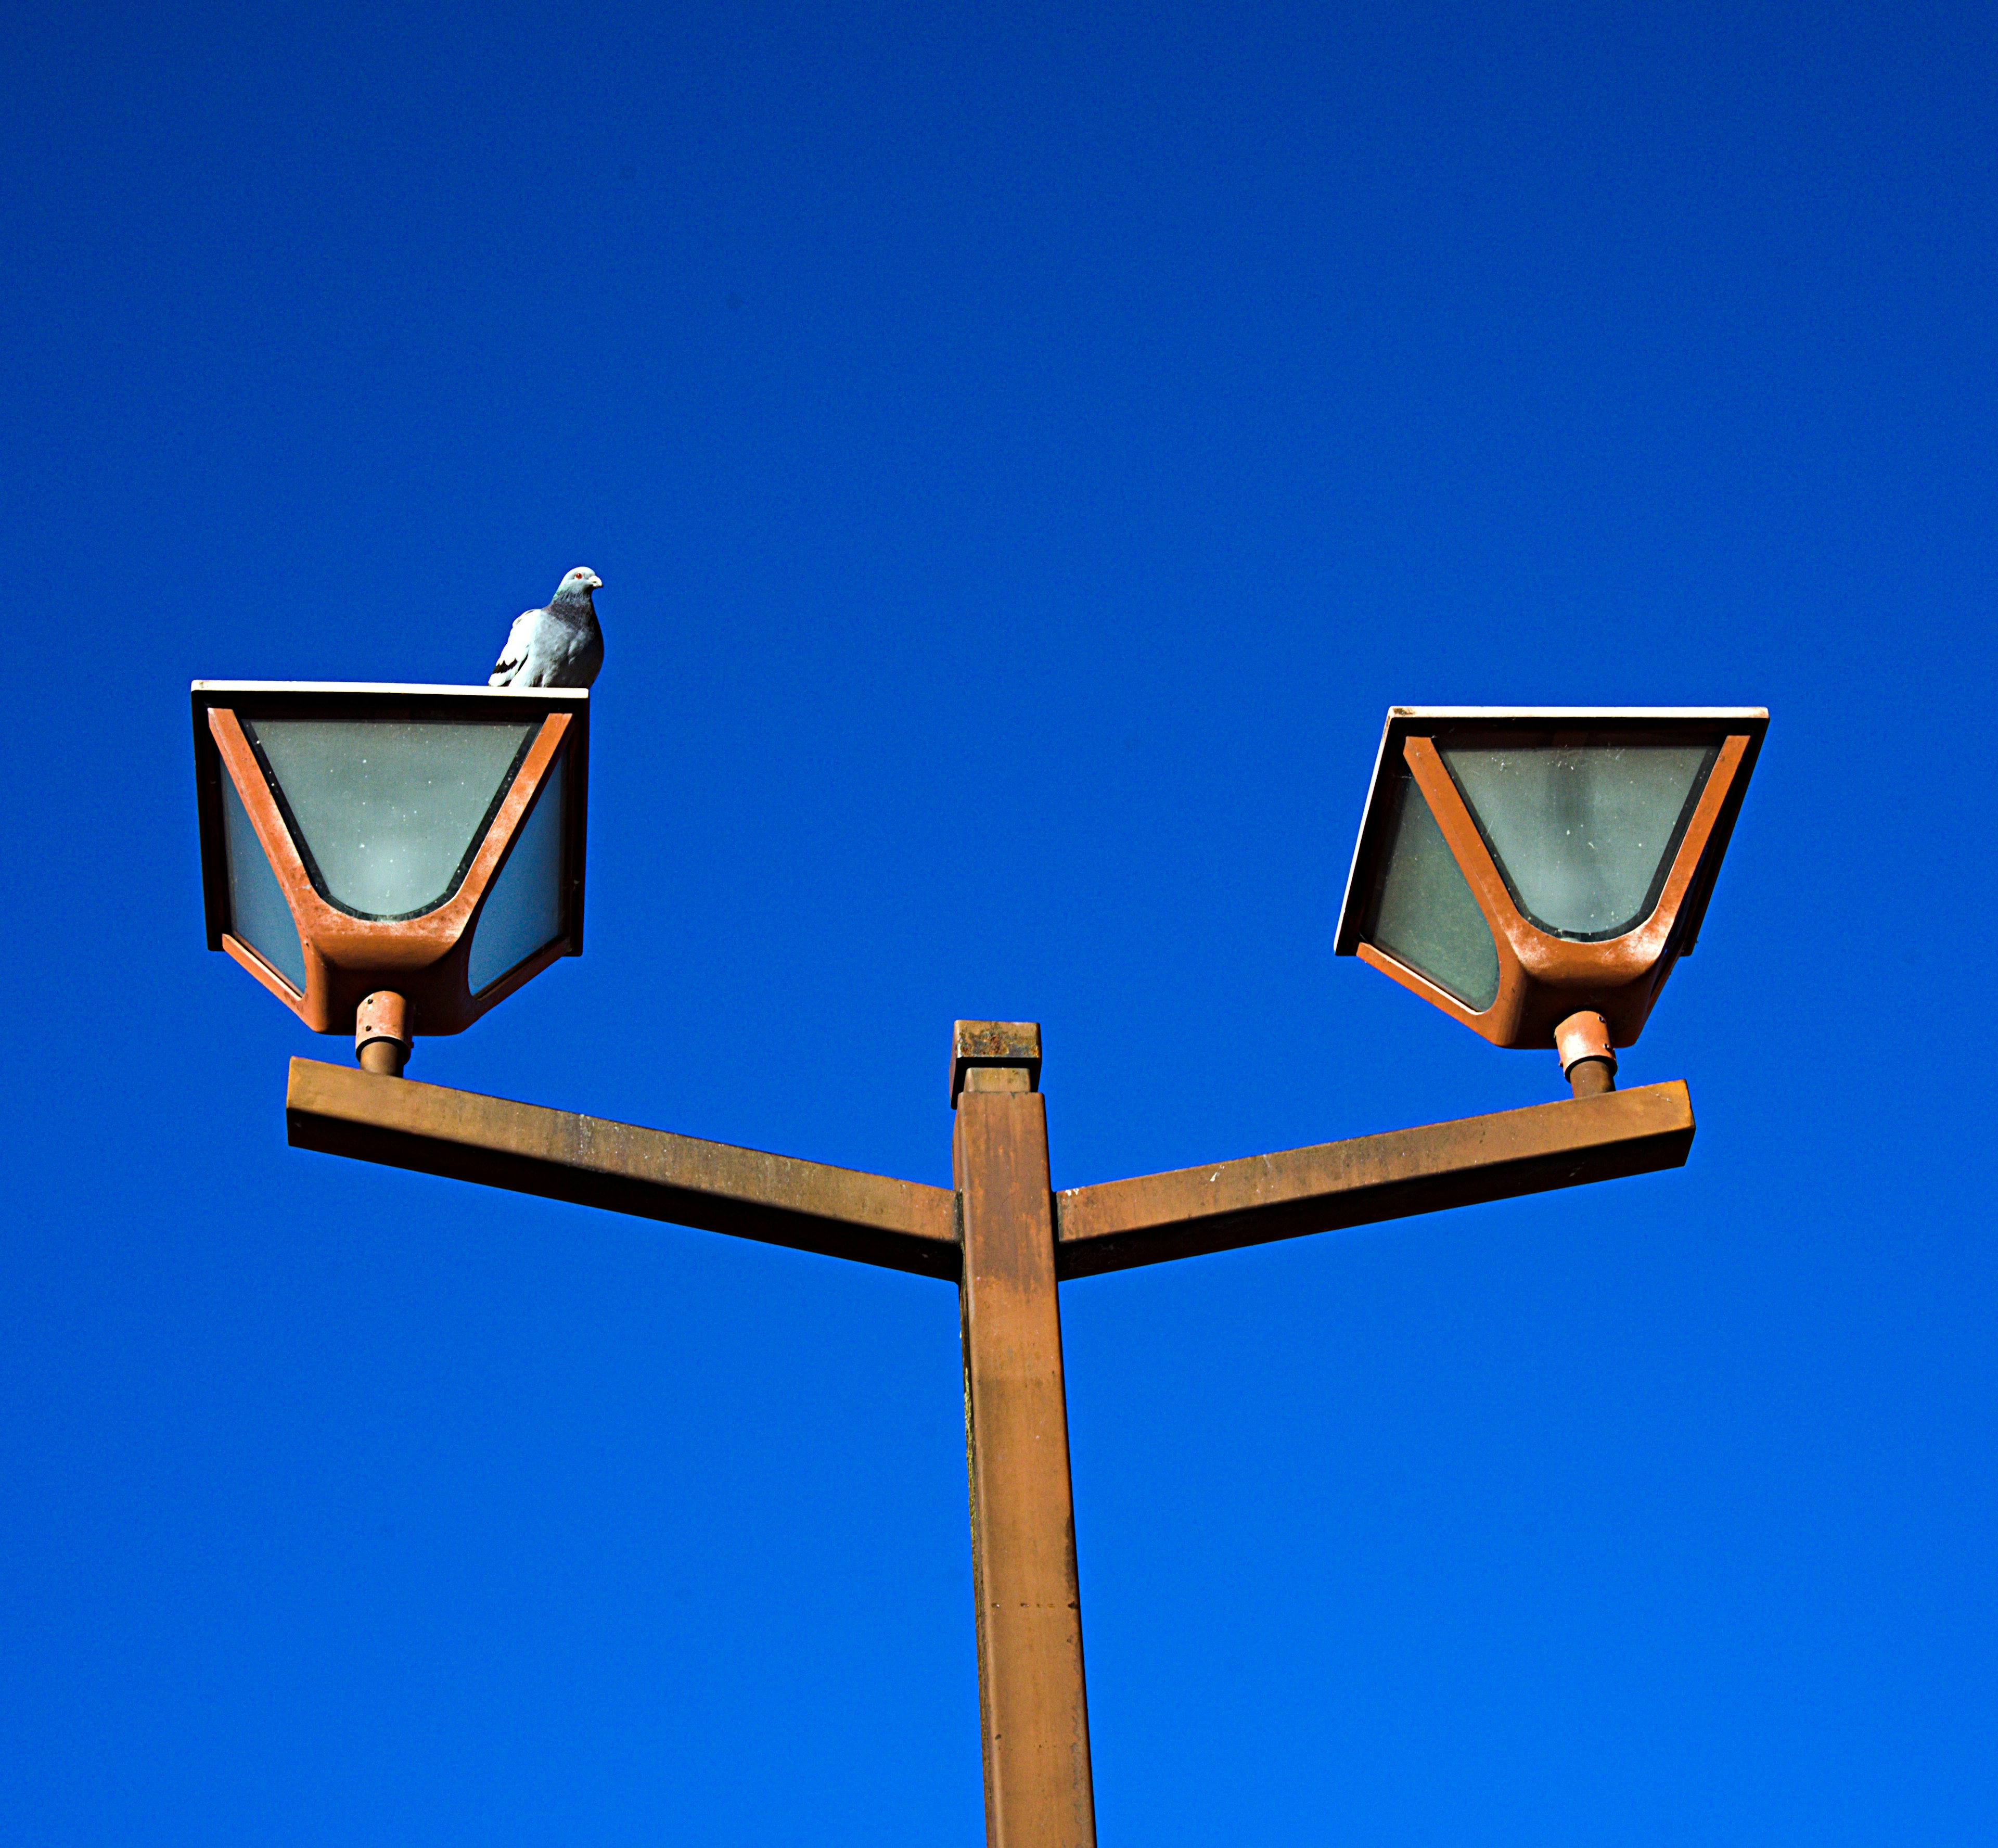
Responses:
[387,860]
[1536,873]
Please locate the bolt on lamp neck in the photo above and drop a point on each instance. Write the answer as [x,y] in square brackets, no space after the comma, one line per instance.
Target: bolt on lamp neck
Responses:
[1588,1061]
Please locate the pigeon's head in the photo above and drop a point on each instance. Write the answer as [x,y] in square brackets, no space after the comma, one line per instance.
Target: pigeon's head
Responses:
[579,584]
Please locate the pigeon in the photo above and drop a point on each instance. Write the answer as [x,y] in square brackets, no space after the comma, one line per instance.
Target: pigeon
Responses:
[559,646]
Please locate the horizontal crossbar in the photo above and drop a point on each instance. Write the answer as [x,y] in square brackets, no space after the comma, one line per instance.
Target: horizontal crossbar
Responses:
[906,1226]
[1217,1208]
[341,1110]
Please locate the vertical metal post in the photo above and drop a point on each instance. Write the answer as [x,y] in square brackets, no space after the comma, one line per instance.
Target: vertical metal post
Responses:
[1033,1719]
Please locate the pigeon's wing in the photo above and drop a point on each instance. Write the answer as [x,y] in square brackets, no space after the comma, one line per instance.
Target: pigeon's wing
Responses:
[513,657]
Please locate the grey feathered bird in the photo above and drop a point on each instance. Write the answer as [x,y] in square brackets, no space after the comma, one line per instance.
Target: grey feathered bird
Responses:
[559,646]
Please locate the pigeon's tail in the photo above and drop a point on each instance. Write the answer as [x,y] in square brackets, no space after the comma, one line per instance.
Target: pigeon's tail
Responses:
[513,657]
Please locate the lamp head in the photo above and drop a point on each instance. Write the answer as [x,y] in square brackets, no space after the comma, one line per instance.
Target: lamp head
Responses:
[1517,866]
[424,841]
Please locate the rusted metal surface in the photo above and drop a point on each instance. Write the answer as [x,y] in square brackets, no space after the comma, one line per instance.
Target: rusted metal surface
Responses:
[381,1033]
[1120,1223]
[1592,1078]
[906,1226]
[1034,1716]
[1588,1060]
[383,1058]
[1007,1050]
[650,1173]
[1584,1036]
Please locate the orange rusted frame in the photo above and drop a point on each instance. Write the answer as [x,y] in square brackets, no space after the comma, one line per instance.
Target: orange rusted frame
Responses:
[1119,1223]
[341,1110]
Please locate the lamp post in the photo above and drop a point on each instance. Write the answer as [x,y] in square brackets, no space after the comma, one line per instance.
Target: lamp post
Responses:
[1601,833]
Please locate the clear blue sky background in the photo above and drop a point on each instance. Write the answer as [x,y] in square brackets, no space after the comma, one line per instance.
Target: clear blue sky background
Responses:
[1027,448]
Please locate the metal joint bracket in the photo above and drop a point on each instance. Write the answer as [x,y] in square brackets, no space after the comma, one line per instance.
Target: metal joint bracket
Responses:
[381,1041]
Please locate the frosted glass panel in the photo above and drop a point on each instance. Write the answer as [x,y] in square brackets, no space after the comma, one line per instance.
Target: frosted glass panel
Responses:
[388,813]
[1584,832]
[257,913]
[523,911]
[1425,915]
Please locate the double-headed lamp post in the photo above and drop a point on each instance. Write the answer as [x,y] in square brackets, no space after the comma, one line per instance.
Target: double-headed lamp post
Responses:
[395,860]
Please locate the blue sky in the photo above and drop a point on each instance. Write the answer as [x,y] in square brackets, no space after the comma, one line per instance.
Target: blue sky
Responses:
[1026,449]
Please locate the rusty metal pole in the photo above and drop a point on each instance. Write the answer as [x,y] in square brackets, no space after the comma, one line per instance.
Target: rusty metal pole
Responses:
[1033,1716]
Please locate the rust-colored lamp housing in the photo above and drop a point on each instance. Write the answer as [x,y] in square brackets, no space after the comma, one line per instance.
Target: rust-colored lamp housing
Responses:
[1516,868]
[425,841]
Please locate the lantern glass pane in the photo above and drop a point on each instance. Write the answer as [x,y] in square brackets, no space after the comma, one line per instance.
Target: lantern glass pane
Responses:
[1424,915]
[523,911]
[257,913]
[388,813]
[1583,830]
